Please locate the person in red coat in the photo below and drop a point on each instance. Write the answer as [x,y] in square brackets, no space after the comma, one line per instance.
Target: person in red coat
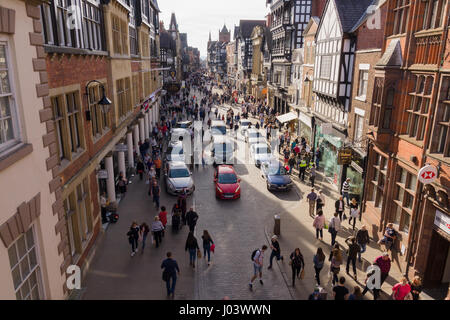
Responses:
[163,217]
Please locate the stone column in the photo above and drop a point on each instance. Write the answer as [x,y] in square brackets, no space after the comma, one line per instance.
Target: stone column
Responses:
[110,185]
[130,149]
[121,159]
[146,127]
[141,130]
[136,137]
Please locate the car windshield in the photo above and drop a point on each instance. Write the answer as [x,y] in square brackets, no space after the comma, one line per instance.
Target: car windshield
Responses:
[227,178]
[174,151]
[262,150]
[245,123]
[178,173]
[219,130]
[183,125]
[276,170]
[254,134]
[223,148]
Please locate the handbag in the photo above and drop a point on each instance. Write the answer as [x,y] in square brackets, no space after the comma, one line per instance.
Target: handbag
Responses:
[344,216]
[302,273]
[213,247]
[165,275]
[199,254]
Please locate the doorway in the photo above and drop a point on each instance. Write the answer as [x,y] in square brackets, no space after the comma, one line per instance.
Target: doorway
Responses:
[437,272]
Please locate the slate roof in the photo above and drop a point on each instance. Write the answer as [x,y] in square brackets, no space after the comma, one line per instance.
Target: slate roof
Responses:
[155,5]
[351,11]
[224,29]
[173,22]
[246,27]
[377,4]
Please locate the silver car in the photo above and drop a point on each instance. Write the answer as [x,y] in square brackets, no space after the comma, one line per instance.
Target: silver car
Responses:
[178,177]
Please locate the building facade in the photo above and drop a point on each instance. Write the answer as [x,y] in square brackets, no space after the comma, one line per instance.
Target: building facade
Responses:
[30,257]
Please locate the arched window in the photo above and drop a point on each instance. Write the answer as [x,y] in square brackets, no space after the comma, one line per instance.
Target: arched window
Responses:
[387,115]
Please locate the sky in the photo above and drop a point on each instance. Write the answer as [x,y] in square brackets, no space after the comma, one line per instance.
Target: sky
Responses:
[198,17]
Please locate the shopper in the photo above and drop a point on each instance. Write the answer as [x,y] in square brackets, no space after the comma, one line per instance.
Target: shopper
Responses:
[156,194]
[276,251]
[354,213]
[133,236]
[183,204]
[191,219]
[192,246]
[340,206]
[122,184]
[340,292]
[384,263]
[362,238]
[257,258]
[297,264]
[207,243]
[157,229]
[311,198]
[356,295]
[416,287]
[389,237]
[176,217]
[320,202]
[402,290]
[346,190]
[171,268]
[336,261]
[312,174]
[318,260]
[143,232]
[163,218]
[140,169]
[319,223]
[353,250]
[334,227]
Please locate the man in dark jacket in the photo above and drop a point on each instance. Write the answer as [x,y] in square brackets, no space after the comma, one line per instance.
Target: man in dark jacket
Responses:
[362,238]
[191,219]
[170,267]
[353,250]
[340,206]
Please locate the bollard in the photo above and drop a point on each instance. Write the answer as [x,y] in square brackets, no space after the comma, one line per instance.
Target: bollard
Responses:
[276,226]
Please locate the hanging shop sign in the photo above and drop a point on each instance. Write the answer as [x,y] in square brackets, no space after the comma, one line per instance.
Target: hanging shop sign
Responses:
[345,156]
[427,174]
[121,147]
[102,174]
[442,221]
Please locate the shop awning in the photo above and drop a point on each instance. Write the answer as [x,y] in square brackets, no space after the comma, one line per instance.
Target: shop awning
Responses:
[287,117]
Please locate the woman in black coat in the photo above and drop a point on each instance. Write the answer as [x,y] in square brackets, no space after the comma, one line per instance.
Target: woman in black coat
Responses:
[192,246]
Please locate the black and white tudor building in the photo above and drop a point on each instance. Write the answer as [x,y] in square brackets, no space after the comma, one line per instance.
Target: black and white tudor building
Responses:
[333,77]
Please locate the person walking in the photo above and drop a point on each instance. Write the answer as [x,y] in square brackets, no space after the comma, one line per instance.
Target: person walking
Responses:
[176,217]
[302,169]
[340,206]
[140,169]
[191,219]
[192,246]
[133,236]
[346,190]
[122,184]
[163,218]
[311,198]
[320,202]
[334,227]
[416,287]
[257,258]
[143,232]
[158,164]
[318,260]
[354,213]
[389,237]
[340,292]
[155,191]
[291,163]
[402,290]
[182,202]
[312,174]
[207,243]
[157,229]
[336,261]
[297,264]
[171,268]
[276,251]
[319,223]
[362,238]
[353,250]
[384,263]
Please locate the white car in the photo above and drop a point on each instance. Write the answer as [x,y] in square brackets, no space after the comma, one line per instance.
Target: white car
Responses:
[243,124]
[252,134]
[222,150]
[179,132]
[175,152]
[260,152]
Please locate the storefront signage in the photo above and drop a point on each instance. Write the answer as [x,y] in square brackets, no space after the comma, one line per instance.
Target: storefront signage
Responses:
[442,221]
[102,174]
[121,148]
[345,156]
[428,174]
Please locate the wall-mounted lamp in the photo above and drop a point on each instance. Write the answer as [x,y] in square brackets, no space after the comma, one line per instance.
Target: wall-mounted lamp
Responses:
[104,102]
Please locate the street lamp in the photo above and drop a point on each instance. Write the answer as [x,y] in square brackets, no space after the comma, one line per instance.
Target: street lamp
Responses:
[104,102]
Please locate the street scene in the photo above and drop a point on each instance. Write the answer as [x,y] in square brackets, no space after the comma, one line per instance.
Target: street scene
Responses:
[267,150]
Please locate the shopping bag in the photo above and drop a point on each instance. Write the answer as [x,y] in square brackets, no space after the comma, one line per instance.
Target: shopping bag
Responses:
[199,254]
[302,274]
[213,247]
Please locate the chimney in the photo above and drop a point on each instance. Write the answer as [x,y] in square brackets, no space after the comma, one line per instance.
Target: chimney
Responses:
[161,26]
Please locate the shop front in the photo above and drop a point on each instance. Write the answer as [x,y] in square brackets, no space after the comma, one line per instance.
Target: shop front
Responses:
[305,127]
[355,171]
[329,141]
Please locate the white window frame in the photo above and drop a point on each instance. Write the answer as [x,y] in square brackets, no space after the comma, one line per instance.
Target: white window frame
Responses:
[362,90]
[12,100]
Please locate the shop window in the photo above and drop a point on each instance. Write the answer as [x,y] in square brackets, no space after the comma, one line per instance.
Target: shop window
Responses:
[440,139]
[25,267]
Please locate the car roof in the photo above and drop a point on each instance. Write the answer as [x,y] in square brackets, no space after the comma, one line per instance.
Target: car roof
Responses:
[217,123]
[177,164]
[180,130]
[183,122]
[221,139]
[260,145]
[225,169]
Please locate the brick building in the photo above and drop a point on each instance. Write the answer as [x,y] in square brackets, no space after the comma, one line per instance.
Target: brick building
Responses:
[113,51]
[408,128]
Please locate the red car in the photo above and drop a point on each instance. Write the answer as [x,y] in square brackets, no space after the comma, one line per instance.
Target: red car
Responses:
[227,183]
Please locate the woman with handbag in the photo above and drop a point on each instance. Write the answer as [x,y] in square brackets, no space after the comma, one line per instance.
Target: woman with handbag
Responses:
[402,290]
[318,260]
[336,261]
[319,223]
[143,232]
[298,265]
[354,212]
[192,246]
[207,243]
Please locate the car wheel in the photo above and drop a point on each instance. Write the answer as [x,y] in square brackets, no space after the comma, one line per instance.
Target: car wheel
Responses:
[268,187]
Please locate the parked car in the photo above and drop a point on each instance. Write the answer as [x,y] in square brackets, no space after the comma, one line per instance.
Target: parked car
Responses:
[183,125]
[253,135]
[260,152]
[243,124]
[222,150]
[227,184]
[218,127]
[178,177]
[276,176]
[180,132]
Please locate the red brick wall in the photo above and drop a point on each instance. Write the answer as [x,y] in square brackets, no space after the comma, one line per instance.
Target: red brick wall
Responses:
[370,37]
[318,7]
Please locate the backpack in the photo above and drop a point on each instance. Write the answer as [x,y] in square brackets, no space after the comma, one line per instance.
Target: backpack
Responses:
[253,254]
